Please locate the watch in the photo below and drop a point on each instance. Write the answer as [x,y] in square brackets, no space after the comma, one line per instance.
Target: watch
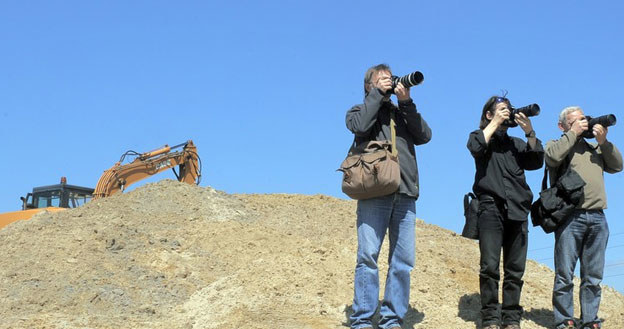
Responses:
[530,134]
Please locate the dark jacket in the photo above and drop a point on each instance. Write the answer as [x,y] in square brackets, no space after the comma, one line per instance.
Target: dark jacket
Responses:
[371,121]
[500,166]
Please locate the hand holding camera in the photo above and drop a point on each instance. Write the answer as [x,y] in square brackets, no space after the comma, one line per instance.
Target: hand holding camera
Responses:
[524,122]
[501,114]
[402,93]
[603,122]
[600,133]
[526,111]
[384,82]
[579,126]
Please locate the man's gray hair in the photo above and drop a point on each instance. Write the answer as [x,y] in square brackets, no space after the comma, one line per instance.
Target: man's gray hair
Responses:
[563,116]
[368,76]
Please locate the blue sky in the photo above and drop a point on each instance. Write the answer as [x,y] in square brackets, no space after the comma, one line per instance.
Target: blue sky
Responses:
[262,88]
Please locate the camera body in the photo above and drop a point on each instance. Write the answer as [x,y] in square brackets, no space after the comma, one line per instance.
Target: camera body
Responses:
[410,80]
[529,111]
[604,120]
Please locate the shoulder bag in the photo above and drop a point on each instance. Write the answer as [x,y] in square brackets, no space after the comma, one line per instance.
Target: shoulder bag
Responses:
[558,202]
[372,169]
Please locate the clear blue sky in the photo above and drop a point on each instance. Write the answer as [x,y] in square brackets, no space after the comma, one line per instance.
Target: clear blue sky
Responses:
[262,88]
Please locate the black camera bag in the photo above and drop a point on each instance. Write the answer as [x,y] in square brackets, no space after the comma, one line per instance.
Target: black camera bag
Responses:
[471,207]
[558,202]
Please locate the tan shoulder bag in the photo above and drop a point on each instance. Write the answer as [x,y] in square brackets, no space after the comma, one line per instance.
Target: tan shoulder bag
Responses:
[372,170]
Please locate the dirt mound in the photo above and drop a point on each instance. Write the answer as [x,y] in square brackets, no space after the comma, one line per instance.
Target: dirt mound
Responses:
[172,255]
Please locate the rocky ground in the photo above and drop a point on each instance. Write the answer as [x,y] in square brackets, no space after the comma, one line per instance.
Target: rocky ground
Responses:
[171,255]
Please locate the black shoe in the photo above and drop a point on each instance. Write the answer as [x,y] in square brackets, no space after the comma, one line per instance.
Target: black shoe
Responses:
[591,325]
[567,324]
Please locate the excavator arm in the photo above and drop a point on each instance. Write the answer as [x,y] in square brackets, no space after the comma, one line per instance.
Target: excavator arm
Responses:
[120,176]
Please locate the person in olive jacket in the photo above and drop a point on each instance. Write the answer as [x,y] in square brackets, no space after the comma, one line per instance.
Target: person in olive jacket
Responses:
[584,235]
[504,204]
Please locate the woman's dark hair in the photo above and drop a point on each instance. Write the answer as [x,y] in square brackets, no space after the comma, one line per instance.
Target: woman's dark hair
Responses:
[489,106]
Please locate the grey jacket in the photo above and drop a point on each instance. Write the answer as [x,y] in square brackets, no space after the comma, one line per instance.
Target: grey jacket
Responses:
[371,121]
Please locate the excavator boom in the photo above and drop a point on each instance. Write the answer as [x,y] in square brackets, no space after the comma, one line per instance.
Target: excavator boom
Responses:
[120,176]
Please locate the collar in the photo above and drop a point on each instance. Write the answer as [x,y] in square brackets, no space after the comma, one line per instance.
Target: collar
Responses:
[500,134]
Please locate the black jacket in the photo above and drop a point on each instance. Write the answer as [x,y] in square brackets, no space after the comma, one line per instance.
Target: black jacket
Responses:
[500,166]
[371,121]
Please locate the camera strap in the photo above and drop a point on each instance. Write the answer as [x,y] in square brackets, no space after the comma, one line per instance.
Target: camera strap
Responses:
[394,150]
[393,132]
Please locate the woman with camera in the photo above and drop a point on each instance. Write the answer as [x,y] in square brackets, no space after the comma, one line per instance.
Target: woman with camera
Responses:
[504,204]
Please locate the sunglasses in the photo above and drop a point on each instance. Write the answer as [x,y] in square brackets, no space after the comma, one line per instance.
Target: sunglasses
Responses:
[501,99]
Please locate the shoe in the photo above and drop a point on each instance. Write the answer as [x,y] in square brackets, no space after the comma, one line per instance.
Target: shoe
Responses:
[567,324]
[591,325]
[512,326]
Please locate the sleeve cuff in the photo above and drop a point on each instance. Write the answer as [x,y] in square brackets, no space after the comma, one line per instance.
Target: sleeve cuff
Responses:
[481,138]
[571,134]
[538,146]
[407,107]
[406,102]
[606,147]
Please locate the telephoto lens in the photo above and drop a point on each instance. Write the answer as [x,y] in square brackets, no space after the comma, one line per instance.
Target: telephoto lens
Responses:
[529,110]
[603,120]
[410,80]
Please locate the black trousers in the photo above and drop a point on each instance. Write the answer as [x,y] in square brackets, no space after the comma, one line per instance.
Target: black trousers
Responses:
[496,232]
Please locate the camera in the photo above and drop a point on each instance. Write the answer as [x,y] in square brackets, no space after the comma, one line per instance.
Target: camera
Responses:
[410,80]
[529,111]
[604,120]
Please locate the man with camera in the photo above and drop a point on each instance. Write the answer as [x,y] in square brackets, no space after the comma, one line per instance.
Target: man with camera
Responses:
[371,121]
[504,203]
[585,233]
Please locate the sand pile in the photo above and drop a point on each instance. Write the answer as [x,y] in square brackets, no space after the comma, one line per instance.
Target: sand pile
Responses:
[172,255]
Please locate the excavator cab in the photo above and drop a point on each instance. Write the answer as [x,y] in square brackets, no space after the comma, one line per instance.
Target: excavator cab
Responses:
[52,198]
[60,195]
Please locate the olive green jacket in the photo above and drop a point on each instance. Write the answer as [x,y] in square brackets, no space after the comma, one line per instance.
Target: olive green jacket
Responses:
[589,160]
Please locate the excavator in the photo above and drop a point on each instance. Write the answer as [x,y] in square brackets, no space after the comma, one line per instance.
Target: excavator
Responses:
[116,179]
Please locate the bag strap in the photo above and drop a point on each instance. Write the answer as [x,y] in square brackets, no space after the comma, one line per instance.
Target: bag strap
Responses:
[467,199]
[545,179]
[393,132]
[560,171]
[394,152]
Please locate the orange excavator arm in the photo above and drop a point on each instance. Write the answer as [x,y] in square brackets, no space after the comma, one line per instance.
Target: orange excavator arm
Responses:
[120,176]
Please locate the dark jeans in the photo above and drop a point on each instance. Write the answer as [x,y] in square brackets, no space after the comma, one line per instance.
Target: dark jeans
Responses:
[496,232]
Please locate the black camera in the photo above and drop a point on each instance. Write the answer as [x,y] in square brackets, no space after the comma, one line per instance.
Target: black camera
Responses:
[529,111]
[604,120]
[410,80]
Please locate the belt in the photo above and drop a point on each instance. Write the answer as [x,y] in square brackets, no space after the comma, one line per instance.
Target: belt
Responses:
[487,197]
[581,211]
[500,203]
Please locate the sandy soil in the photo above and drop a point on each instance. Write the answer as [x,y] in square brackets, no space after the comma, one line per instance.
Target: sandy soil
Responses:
[171,255]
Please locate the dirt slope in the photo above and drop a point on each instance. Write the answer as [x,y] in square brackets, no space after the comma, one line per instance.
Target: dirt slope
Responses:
[171,255]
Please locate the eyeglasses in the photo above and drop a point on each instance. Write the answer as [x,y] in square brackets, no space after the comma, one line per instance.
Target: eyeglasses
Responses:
[501,99]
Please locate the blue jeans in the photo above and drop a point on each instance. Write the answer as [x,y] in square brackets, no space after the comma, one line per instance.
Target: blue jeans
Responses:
[584,235]
[397,214]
